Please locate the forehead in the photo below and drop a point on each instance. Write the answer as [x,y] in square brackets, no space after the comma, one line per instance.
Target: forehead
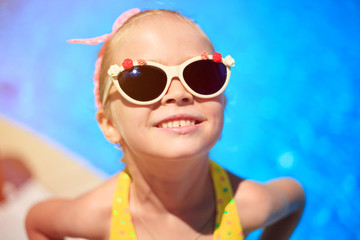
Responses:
[165,38]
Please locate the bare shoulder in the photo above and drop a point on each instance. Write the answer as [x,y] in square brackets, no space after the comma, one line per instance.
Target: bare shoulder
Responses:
[92,211]
[98,202]
[260,204]
[101,196]
[250,197]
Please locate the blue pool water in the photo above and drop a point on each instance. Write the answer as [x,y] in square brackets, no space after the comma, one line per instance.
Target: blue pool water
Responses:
[293,100]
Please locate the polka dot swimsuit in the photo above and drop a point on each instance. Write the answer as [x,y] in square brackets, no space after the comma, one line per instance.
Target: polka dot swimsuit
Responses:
[227,223]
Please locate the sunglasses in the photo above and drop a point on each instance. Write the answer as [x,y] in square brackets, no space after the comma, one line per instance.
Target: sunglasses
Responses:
[144,82]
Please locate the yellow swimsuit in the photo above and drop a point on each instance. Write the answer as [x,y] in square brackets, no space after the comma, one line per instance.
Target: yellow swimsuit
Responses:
[227,225]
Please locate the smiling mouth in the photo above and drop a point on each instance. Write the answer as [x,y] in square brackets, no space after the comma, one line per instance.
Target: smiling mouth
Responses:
[178,123]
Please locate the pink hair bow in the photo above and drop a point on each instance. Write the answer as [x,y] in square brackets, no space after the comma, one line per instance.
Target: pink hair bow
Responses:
[103,38]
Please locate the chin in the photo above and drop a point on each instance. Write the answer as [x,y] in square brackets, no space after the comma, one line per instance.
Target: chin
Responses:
[182,151]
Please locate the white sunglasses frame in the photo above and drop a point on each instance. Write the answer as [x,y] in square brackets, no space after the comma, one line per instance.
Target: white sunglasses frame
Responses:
[171,72]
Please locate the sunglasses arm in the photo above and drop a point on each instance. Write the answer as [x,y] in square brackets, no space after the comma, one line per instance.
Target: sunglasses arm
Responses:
[107,90]
[112,72]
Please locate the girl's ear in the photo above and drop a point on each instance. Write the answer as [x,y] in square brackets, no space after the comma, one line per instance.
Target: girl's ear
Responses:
[109,130]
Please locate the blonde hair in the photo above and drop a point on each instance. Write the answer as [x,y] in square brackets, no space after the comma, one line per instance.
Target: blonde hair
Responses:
[107,50]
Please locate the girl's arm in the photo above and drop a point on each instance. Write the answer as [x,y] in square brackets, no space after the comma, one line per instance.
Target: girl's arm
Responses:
[84,217]
[276,207]
[47,220]
[288,201]
[87,216]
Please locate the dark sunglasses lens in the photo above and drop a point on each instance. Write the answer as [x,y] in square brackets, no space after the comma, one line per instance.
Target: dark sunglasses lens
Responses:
[205,76]
[142,83]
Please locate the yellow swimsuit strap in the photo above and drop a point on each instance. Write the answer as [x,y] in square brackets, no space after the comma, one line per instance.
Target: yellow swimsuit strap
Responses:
[227,225]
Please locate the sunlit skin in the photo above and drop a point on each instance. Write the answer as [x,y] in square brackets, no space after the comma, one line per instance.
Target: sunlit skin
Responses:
[171,187]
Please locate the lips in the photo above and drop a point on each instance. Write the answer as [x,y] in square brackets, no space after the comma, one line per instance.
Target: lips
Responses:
[179,122]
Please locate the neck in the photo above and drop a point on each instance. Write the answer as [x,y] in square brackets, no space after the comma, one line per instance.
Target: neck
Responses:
[177,187]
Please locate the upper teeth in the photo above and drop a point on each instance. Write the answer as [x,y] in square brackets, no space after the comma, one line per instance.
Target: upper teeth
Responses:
[177,123]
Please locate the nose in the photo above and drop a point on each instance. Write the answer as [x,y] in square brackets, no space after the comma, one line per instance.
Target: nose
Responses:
[177,94]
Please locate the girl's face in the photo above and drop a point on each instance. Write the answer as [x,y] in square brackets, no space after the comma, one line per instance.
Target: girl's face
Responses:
[157,130]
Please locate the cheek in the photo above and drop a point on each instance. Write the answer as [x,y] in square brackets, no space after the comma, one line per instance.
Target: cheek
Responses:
[129,120]
[219,118]
[216,108]
[125,120]
[215,112]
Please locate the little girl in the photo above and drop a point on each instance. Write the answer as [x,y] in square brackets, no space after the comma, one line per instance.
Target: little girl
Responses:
[160,96]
